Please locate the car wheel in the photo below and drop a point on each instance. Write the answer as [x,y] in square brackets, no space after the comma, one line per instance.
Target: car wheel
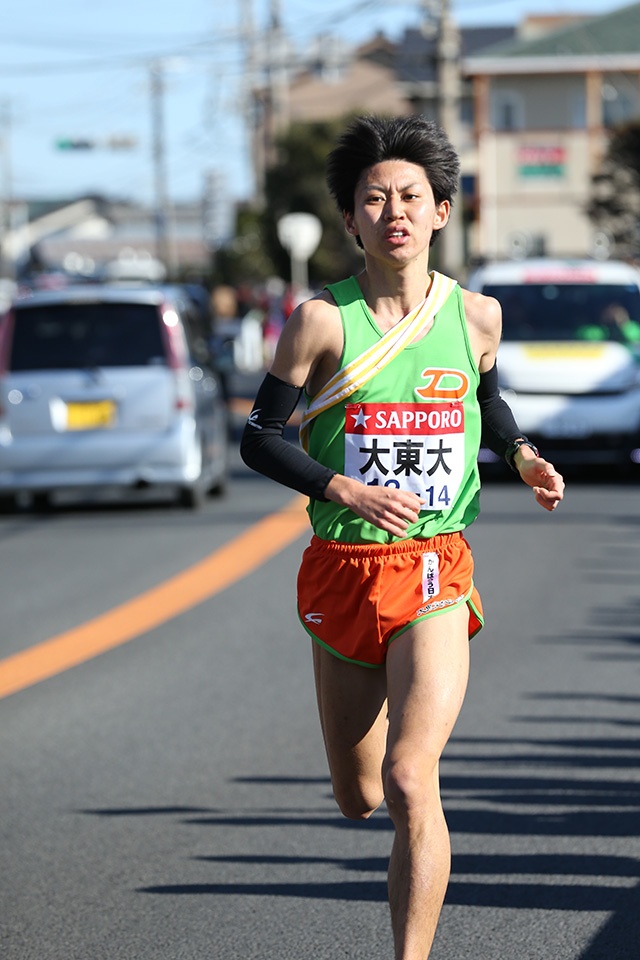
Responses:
[192,496]
[41,501]
[8,503]
[218,486]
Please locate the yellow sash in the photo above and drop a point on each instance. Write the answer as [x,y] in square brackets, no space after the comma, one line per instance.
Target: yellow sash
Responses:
[350,378]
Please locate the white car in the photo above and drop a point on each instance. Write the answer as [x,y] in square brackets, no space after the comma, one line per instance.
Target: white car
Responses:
[569,361]
[109,386]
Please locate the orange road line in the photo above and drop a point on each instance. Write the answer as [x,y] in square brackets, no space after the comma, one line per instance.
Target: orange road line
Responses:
[157,605]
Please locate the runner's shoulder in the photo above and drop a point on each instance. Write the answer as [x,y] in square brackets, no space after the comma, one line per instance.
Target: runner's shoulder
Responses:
[482,312]
[317,318]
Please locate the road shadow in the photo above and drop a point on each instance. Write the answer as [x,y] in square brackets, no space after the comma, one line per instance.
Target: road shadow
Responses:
[541,804]
[582,788]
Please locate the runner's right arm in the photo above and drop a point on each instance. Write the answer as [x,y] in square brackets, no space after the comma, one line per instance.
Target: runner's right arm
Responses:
[264,448]
[307,354]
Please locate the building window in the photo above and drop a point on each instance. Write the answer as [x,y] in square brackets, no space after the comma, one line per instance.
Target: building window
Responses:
[507,110]
[467,114]
[578,108]
[620,99]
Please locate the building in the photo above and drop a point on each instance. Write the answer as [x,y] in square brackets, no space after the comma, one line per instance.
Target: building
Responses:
[379,76]
[530,110]
[95,236]
[544,107]
[387,78]
[535,106]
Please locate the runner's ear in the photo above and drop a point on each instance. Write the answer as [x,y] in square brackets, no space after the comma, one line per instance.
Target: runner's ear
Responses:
[441,217]
[349,224]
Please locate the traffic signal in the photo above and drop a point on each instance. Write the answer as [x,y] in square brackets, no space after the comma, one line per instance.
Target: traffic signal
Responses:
[66,143]
[121,143]
[115,142]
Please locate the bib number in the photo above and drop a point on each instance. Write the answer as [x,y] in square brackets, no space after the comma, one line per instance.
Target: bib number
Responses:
[413,446]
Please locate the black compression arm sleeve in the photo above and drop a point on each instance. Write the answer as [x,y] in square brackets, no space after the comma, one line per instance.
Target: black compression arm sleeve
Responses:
[264,449]
[499,427]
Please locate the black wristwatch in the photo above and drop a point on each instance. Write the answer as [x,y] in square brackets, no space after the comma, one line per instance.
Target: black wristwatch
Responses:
[513,448]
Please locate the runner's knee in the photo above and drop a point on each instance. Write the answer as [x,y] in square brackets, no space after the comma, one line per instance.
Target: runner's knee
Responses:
[357,801]
[410,784]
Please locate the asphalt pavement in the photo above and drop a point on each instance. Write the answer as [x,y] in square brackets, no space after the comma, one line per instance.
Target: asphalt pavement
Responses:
[169,799]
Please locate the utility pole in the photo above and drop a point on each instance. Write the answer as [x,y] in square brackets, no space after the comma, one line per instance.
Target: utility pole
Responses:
[266,89]
[448,113]
[6,196]
[161,204]
[252,110]
[276,105]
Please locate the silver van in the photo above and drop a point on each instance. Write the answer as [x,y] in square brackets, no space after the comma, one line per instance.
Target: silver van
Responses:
[569,360]
[109,386]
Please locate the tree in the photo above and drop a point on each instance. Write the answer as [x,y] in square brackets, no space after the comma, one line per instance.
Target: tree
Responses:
[296,184]
[245,260]
[614,206]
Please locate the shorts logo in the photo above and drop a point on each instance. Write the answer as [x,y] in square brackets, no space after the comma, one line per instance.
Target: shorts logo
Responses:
[313,617]
[438,605]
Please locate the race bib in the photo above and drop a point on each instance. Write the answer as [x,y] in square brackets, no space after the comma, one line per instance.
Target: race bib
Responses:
[413,446]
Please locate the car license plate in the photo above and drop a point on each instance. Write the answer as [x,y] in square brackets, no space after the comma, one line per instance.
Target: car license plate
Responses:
[563,351]
[92,415]
[567,428]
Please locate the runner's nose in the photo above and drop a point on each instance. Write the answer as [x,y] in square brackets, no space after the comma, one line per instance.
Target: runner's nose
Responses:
[394,209]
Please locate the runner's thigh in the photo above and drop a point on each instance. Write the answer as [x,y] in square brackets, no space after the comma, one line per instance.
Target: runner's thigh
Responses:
[427,673]
[353,716]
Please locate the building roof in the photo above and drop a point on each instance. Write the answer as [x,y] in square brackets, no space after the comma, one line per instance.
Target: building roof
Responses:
[415,53]
[613,33]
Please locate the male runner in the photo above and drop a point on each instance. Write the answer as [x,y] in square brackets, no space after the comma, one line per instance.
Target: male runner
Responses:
[386,586]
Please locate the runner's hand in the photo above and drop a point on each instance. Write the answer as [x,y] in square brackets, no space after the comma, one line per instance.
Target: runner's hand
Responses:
[547,483]
[388,508]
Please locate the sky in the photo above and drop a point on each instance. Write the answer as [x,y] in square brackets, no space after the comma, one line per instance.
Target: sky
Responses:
[74,70]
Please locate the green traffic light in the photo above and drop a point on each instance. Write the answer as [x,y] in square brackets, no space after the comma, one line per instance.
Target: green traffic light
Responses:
[66,143]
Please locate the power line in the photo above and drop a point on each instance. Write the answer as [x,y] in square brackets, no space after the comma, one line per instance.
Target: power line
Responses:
[119,61]
[224,38]
[82,41]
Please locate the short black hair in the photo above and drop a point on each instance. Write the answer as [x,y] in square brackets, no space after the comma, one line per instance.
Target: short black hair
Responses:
[368,140]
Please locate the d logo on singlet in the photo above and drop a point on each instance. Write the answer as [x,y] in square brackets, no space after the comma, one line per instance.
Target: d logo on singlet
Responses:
[443,384]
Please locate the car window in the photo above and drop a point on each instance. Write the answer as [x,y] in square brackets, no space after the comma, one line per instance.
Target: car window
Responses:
[549,311]
[79,335]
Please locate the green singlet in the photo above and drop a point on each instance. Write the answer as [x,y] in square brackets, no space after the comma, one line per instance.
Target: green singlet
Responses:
[415,425]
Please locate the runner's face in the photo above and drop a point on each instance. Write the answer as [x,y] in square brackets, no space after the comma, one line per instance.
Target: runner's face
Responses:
[395,212]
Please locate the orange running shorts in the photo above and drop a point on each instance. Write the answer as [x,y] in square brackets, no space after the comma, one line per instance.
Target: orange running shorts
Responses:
[353,599]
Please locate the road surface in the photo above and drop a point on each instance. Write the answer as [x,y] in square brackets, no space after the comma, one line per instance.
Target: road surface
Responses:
[163,786]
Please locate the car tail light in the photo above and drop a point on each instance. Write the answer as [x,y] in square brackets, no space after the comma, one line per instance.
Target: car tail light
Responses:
[173,338]
[177,357]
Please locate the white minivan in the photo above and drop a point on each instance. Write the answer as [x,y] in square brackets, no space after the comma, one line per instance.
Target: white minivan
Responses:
[109,386]
[569,361]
